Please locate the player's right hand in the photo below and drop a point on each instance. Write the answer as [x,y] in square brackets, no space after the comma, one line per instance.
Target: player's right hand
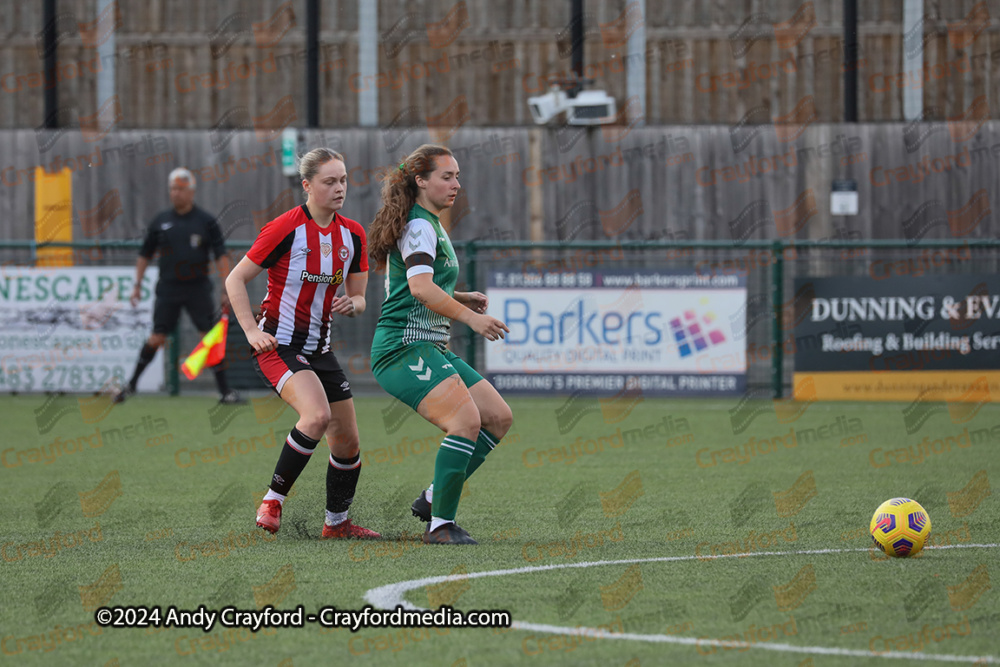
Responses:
[261,342]
[489,327]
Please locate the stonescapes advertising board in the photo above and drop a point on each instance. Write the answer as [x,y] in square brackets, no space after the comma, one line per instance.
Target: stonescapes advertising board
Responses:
[73,329]
[898,338]
[615,332]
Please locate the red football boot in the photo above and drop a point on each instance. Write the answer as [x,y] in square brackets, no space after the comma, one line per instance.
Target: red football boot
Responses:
[269,515]
[348,530]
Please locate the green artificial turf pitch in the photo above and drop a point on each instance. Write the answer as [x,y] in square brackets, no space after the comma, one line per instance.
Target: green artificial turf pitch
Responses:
[152,503]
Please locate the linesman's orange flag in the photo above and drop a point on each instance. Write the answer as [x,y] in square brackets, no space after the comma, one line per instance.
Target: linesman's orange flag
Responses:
[210,351]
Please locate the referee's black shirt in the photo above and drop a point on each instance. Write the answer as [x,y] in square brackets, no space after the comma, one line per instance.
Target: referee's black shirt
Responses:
[184,242]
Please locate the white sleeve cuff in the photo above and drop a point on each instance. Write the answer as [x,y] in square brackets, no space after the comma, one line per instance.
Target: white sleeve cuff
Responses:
[418,269]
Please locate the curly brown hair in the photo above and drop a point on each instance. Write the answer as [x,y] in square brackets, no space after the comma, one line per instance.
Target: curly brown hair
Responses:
[399,193]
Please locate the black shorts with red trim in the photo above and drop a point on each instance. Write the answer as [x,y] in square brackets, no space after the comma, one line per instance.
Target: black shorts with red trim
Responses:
[276,366]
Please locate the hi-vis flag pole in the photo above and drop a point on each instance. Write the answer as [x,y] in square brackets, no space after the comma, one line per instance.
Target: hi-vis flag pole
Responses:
[210,351]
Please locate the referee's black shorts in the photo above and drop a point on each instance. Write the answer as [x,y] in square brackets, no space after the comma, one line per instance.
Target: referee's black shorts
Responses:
[194,297]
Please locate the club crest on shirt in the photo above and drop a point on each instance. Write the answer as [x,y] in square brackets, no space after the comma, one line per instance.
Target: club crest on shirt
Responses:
[343,253]
[301,359]
[195,240]
[326,249]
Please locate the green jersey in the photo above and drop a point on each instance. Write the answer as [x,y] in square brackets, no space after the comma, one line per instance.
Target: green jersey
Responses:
[405,320]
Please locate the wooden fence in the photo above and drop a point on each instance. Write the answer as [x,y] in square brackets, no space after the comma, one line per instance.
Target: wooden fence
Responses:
[185,64]
[920,180]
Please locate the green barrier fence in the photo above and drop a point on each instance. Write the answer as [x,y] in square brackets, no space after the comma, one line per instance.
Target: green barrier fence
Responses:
[780,253]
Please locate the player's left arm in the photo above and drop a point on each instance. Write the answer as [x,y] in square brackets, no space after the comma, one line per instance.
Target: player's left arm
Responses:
[476,301]
[223,266]
[222,262]
[352,302]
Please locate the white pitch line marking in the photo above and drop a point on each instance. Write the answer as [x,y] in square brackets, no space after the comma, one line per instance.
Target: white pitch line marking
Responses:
[391,595]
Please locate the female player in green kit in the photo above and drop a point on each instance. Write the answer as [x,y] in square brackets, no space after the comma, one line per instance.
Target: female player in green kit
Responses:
[410,359]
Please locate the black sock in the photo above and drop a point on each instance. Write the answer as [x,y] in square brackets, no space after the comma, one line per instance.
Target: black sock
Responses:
[220,378]
[146,355]
[341,481]
[292,461]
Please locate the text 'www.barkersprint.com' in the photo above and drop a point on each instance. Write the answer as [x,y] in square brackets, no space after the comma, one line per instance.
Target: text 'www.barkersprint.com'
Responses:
[269,617]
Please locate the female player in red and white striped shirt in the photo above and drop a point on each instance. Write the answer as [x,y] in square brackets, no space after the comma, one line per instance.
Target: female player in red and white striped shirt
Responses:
[308,253]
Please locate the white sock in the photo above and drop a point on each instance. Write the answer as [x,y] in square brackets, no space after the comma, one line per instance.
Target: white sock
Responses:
[335,518]
[430,493]
[436,522]
[271,495]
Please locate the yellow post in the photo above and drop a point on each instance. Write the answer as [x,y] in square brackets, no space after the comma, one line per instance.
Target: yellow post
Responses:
[53,215]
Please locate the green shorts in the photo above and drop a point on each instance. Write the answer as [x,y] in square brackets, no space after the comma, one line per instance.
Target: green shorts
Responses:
[411,372]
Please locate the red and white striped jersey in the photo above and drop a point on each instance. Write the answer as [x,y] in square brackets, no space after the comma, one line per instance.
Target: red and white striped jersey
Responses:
[305,266]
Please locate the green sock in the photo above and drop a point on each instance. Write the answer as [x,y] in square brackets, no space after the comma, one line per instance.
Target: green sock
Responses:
[449,475]
[484,445]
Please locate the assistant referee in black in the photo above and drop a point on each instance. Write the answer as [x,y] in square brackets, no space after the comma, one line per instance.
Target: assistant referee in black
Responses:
[185,235]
